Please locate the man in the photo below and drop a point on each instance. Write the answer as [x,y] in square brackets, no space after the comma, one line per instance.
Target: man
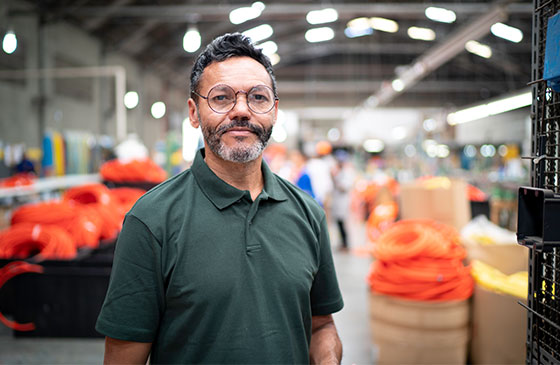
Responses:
[225,262]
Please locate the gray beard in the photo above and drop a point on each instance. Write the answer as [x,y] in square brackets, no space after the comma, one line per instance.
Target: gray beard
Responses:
[240,152]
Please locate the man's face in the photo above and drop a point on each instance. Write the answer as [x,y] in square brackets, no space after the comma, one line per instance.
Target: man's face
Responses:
[239,135]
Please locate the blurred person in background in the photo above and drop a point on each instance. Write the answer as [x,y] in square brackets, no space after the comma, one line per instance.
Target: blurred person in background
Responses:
[225,262]
[343,181]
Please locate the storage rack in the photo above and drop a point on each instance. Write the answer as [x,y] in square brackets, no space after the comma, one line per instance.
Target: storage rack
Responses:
[543,301]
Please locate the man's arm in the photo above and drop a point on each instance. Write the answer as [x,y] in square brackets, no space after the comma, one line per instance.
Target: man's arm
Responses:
[126,352]
[325,347]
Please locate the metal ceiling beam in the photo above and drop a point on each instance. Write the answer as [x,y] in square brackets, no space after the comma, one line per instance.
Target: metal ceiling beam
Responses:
[212,11]
[108,11]
[437,56]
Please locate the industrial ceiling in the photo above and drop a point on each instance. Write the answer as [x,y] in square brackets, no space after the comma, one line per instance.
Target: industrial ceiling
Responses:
[345,72]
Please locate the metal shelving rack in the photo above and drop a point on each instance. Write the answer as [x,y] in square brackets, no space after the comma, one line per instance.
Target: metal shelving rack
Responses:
[543,302]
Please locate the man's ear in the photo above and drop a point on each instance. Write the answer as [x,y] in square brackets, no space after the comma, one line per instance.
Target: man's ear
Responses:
[193,115]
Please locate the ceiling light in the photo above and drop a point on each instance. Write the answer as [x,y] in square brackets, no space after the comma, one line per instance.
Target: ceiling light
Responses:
[398,85]
[410,150]
[322,16]
[429,125]
[507,32]
[268,48]
[492,108]
[9,43]
[373,145]
[131,99]
[478,49]
[319,34]
[158,109]
[503,150]
[442,151]
[274,58]
[511,103]
[399,132]
[191,40]
[440,14]
[423,34]
[358,27]
[259,33]
[241,15]
[384,25]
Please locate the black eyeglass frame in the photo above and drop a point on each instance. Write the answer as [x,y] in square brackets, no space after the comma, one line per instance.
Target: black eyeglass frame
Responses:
[235,102]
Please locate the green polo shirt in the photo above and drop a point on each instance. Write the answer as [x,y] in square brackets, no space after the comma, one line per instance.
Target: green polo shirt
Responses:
[210,276]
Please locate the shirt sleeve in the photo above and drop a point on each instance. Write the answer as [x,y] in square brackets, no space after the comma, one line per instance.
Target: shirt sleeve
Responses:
[134,300]
[325,293]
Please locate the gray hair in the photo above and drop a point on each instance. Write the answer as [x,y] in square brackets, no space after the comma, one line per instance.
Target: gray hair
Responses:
[224,47]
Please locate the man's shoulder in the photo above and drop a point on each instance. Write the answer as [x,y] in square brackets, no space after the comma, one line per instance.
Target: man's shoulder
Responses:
[163,195]
[299,197]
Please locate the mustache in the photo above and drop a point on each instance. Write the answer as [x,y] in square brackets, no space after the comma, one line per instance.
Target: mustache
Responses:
[240,123]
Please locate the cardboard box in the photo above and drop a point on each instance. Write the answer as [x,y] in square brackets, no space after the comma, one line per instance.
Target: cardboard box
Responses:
[445,204]
[414,332]
[508,258]
[499,328]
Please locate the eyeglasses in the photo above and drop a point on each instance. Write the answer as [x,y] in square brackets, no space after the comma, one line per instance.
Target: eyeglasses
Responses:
[222,98]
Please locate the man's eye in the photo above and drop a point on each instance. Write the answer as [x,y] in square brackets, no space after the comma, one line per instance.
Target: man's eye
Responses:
[259,97]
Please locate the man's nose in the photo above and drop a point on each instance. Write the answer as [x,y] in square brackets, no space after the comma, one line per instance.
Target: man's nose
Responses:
[241,107]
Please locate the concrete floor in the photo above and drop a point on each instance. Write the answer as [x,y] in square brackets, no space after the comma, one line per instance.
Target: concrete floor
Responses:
[352,322]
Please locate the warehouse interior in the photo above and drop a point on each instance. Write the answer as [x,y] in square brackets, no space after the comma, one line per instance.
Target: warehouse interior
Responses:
[431,107]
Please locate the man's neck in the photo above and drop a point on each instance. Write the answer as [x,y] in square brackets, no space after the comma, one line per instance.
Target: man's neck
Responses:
[243,176]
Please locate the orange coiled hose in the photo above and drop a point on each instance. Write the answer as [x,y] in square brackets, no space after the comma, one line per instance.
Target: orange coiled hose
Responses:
[21,179]
[35,240]
[98,198]
[134,171]
[126,197]
[420,260]
[83,224]
[6,273]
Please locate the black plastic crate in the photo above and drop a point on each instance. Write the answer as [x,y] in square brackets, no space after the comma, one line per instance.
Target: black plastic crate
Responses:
[63,301]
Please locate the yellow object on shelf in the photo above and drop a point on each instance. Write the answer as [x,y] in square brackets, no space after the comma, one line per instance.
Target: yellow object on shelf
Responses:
[493,279]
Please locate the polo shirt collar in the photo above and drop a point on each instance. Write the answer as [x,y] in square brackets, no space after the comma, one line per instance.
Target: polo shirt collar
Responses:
[223,194]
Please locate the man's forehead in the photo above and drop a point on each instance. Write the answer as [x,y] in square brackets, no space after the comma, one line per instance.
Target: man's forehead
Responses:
[234,68]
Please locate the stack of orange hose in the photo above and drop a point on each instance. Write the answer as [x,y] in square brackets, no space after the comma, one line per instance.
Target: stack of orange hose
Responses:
[41,241]
[98,198]
[83,224]
[134,171]
[420,260]
[21,179]
[126,197]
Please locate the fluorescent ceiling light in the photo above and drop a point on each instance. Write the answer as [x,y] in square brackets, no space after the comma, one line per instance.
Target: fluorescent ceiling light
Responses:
[424,34]
[507,32]
[357,32]
[191,40]
[399,132]
[158,109]
[268,48]
[241,15]
[373,145]
[259,33]
[274,58]
[131,99]
[9,43]
[322,16]
[478,49]
[358,27]
[398,85]
[384,25]
[440,14]
[492,108]
[319,34]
